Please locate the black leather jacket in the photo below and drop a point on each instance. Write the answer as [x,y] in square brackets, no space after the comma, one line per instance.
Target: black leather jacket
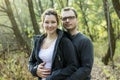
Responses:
[63,61]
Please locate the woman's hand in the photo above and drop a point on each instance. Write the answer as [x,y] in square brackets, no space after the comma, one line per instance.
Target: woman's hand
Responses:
[42,71]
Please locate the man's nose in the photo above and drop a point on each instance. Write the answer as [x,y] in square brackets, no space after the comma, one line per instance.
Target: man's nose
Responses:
[67,20]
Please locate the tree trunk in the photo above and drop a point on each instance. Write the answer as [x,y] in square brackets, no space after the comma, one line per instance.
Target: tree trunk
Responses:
[85,20]
[111,35]
[61,3]
[22,24]
[52,3]
[116,5]
[22,42]
[33,18]
[67,3]
[40,5]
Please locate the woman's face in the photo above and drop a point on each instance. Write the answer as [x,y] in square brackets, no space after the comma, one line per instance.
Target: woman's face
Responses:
[50,24]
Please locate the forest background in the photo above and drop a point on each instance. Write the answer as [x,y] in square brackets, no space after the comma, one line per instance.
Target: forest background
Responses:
[20,21]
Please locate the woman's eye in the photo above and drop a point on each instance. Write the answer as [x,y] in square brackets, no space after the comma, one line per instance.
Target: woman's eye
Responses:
[46,22]
[53,22]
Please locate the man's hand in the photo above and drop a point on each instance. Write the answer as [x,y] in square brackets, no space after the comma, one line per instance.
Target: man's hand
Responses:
[42,71]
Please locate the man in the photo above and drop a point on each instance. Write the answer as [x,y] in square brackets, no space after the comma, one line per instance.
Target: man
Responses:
[83,46]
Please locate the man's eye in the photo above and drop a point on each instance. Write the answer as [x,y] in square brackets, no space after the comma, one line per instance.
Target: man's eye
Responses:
[65,18]
[69,17]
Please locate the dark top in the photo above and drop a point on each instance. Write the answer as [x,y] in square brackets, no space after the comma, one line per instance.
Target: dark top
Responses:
[84,50]
[63,60]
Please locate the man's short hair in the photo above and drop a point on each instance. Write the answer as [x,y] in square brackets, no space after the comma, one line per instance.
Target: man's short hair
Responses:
[70,8]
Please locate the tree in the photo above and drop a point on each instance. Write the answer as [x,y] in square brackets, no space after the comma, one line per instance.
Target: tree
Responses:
[20,39]
[116,5]
[80,4]
[52,3]
[111,35]
[33,18]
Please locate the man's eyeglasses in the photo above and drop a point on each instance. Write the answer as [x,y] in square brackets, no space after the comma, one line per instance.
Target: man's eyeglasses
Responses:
[69,17]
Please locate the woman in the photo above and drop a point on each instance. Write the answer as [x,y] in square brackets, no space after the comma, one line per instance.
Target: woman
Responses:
[53,55]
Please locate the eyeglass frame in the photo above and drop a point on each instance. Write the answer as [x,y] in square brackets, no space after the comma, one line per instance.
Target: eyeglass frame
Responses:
[68,17]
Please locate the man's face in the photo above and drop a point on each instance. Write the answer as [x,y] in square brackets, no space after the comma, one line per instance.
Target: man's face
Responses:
[69,20]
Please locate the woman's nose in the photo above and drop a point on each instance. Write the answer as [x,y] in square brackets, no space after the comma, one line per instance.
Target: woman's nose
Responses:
[50,25]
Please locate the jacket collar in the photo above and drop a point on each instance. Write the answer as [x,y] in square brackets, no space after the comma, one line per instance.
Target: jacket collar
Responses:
[41,38]
[60,35]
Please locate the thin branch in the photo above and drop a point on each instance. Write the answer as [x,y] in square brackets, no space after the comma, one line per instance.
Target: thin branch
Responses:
[3,9]
[5,26]
[62,4]
[3,14]
[118,37]
[40,6]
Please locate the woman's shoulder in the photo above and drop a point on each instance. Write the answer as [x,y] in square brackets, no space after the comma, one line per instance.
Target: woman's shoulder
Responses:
[36,38]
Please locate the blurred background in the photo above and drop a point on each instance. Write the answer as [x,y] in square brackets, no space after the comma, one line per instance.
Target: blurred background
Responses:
[20,21]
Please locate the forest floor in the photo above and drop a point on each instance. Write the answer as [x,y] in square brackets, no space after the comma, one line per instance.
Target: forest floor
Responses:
[105,72]
[14,67]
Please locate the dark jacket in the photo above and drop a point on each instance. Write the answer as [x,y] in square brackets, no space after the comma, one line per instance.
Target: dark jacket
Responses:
[63,61]
[84,50]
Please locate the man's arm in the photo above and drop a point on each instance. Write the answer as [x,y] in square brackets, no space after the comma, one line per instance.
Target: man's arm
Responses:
[86,61]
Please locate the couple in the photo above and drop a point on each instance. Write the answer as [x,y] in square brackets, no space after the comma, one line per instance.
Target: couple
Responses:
[59,55]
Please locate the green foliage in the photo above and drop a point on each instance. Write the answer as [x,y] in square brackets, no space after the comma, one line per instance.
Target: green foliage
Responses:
[117,51]
[29,32]
[14,67]
[93,10]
